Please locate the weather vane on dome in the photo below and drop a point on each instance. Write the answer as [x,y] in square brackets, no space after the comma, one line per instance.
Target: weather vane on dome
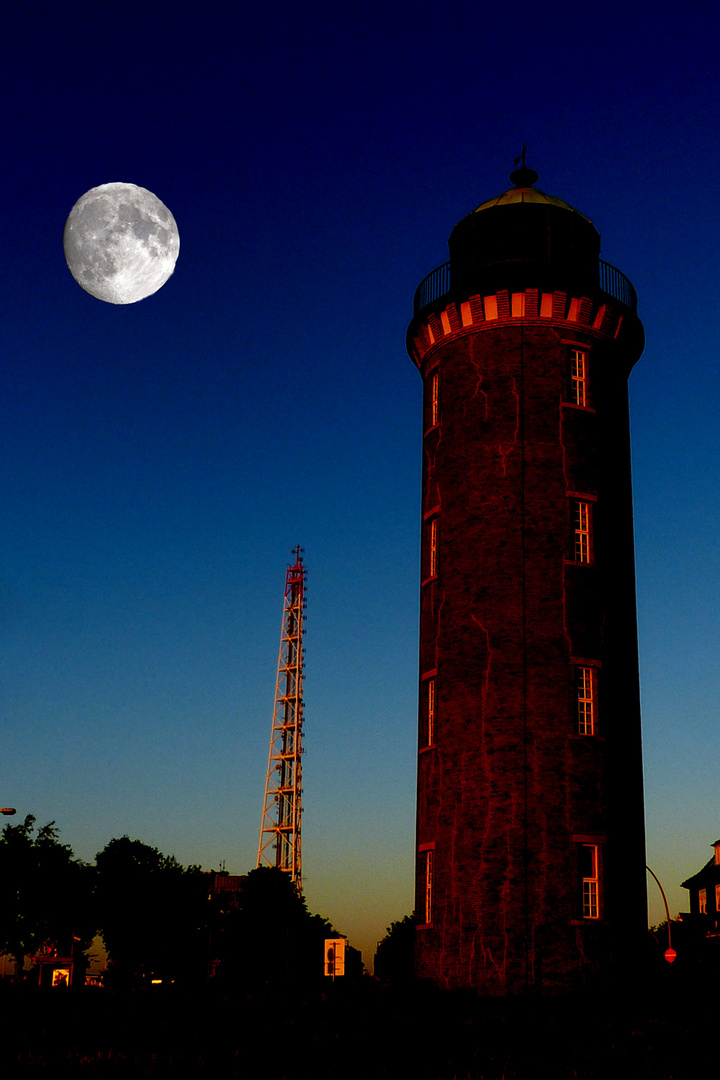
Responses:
[517,160]
[523,177]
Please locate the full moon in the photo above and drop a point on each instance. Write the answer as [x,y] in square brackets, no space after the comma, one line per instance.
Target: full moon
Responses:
[121,243]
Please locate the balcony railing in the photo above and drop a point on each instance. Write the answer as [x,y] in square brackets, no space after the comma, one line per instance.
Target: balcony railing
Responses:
[613,282]
[610,280]
[432,287]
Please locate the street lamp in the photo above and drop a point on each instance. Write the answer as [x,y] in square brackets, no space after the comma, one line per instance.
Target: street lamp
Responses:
[670,953]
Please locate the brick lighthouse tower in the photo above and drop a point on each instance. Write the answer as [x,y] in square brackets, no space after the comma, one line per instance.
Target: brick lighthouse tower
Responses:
[530,831]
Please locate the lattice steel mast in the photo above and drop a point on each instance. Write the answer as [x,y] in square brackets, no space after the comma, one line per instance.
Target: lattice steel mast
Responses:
[280,825]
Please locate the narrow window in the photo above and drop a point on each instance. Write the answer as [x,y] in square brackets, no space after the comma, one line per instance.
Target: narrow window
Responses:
[717,899]
[590,883]
[702,902]
[433,546]
[430,712]
[429,859]
[435,399]
[581,530]
[578,377]
[585,685]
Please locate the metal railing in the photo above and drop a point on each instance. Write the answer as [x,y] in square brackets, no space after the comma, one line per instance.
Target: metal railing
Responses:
[610,280]
[432,287]
[613,282]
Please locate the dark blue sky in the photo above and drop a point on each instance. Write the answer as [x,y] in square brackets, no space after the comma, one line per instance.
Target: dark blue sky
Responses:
[159,461]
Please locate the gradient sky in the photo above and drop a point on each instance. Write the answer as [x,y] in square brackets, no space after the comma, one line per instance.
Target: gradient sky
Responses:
[159,461]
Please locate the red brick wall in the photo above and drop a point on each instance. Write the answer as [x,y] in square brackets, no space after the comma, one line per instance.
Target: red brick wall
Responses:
[509,790]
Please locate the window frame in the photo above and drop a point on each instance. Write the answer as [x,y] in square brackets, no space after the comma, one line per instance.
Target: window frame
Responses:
[578,381]
[433,547]
[590,883]
[428,883]
[427,710]
[430,545]
[435,398]
[582,528]
[431,711]
[585,700]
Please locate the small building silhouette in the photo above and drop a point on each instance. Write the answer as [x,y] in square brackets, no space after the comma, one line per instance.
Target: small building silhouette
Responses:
[704,889]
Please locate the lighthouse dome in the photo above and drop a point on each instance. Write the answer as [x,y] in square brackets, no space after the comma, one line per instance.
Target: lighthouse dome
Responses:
[530,195]
[524,237]
[523,191]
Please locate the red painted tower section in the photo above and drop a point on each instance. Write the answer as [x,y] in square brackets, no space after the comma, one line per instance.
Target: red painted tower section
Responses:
[530,831]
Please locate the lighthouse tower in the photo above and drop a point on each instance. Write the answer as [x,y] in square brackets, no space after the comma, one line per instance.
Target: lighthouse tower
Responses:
[530,828]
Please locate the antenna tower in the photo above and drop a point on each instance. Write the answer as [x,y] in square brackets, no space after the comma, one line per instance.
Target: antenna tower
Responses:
[280,826]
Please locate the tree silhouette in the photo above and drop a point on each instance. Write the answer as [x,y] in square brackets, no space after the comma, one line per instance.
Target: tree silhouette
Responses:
[395,955]
[151,914]
[270,936]
[45,894]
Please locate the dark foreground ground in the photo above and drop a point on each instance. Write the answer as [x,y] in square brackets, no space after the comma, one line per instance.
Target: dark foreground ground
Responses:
[666,1031]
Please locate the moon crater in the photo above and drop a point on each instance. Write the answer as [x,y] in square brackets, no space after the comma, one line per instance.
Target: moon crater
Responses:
[121,243]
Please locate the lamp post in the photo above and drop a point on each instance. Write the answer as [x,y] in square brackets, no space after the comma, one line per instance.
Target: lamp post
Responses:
[670,954]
